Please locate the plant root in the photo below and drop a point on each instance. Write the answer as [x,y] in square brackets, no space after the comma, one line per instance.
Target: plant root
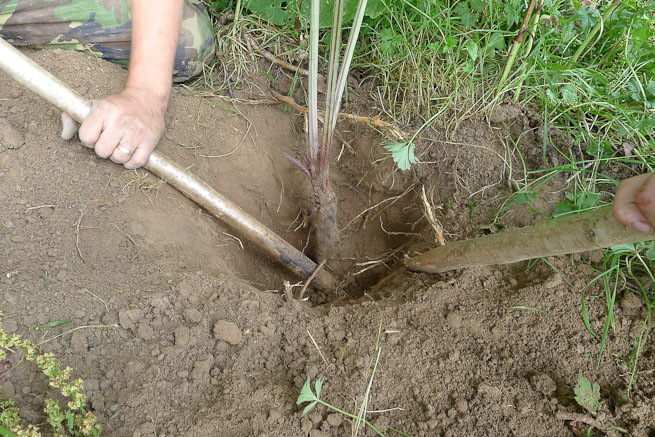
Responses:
[326,231]
[573,417]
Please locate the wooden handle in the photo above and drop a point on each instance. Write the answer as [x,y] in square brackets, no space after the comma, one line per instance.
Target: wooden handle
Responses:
[588,230]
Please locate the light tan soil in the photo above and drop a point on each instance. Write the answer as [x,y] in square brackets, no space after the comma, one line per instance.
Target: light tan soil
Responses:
[199,338]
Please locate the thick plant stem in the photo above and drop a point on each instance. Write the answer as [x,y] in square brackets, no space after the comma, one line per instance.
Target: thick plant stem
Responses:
[571,234]
[518,40]
[594,31]
[326,231]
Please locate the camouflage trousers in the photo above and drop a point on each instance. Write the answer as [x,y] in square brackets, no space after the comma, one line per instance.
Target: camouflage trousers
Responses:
[103,27]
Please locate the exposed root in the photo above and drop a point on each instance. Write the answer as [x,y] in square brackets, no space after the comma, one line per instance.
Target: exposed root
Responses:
[77,233]
[573,417]
[434,223]
[326,232]
[310,279]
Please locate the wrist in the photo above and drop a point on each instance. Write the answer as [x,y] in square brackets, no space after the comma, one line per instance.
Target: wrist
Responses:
[155,99]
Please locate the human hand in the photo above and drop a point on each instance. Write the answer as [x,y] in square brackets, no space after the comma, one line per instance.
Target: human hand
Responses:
[124,127]
[634,203]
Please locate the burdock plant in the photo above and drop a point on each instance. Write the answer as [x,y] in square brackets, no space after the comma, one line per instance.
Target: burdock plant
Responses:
[326,232]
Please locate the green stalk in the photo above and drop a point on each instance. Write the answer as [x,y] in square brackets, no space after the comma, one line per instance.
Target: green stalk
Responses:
[313,81]
[352,416]
[531,34]
[348,57]
[518,41]
[333,68]
[593,32]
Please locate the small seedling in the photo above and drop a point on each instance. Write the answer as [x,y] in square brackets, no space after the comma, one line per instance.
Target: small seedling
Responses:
[587,395]
[307,395]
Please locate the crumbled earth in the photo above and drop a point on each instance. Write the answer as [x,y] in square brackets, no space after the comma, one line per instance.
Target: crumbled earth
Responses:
[185,329]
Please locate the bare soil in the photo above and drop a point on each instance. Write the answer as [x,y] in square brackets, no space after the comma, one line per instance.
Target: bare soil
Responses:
[197,337]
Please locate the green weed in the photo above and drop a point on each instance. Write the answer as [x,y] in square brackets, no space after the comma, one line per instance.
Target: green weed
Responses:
[78,421]
[313,397]
[587,395]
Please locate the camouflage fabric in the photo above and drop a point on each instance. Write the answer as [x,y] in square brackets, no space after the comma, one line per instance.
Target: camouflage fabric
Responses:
[103,27]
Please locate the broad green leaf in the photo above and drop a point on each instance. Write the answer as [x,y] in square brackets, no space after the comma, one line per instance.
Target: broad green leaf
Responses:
[650,251]
[600,150]
[588,16]
[478,5]
[374,8]
[587,199]
[277,12]
[563,208]
[389,42]
[635,91]
[402,154]
[449,44]
[468,17]
[472,48]
[306,394]
[623,248]
[512,9]
[496,41]
[587,395]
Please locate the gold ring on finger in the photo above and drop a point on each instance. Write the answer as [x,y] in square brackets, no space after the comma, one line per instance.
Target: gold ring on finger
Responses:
[121,148]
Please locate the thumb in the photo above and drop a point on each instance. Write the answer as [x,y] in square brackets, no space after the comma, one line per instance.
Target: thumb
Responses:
[68,126]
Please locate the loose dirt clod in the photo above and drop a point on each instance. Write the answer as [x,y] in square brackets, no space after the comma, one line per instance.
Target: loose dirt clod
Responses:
[227,331]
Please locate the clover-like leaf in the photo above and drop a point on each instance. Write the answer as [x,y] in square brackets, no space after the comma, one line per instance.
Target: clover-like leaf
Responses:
[306,394]
[402,154]
[587,395]
[588,16]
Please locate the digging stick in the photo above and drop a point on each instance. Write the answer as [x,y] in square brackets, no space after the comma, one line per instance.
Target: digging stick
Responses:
[35,78]
[574,233]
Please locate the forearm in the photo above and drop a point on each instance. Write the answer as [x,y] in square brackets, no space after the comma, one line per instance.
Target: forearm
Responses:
[155,33]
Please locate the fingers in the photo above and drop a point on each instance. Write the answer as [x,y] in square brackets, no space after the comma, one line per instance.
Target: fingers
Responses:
[125,127]
[646,199]
[121,153]
[91,129]
[634,204]
[140,157]
[108,142]
[68,126]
